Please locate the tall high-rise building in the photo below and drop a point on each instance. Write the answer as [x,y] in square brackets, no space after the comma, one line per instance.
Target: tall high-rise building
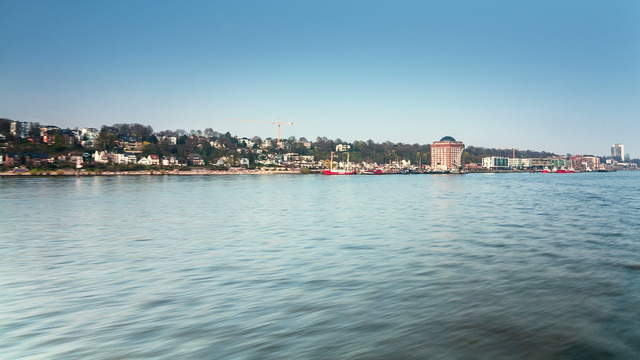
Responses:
[446,154]
[19,129]
[617,152]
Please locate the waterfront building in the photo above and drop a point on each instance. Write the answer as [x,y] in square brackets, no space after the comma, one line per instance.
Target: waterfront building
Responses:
[585,162]
[78,160]
[540,164]
[446,154]
[154,159]
[101,157]
[593,162]
[119,159]
[195,160]
[617,152]
[526,163]
[496,163]
[518,163]
[560,163]
[144,161]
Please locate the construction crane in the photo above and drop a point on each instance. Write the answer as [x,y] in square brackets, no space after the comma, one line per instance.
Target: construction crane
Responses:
[278,124]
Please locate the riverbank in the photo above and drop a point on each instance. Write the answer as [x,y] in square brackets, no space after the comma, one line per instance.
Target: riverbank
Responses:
[71,172]
[191,172]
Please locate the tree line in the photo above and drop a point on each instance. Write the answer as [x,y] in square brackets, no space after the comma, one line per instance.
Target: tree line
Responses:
[199,142]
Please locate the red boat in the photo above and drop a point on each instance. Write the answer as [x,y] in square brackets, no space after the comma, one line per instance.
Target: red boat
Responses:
[330,171]
[558,171]
[337,172]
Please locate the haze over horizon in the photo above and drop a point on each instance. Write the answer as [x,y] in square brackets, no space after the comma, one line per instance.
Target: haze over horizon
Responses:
[561,77]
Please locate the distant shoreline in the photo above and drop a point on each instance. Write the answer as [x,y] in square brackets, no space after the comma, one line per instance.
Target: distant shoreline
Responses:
[68,172]
[207,172]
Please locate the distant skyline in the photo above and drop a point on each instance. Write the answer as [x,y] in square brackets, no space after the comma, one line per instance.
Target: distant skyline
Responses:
[544,75]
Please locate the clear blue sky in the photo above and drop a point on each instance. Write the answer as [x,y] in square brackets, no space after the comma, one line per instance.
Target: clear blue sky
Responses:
[555,75]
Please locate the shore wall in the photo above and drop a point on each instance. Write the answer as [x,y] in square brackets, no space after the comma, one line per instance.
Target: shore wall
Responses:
[68,172]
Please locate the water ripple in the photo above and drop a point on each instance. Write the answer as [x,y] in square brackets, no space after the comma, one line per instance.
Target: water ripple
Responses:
[311,267]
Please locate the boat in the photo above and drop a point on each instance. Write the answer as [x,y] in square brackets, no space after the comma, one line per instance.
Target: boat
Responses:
[338,172]
[373,172]
[558,171]
[331,171]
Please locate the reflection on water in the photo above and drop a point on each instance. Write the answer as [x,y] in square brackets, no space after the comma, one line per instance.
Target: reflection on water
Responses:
[282,267]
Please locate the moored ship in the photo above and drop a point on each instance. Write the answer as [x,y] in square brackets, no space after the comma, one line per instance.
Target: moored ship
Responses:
[558,171]
[331,171]
[373,172]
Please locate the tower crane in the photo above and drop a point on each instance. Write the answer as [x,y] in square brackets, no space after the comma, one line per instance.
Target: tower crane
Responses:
[278,124]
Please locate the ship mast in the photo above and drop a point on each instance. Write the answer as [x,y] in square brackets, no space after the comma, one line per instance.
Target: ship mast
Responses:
[331,162]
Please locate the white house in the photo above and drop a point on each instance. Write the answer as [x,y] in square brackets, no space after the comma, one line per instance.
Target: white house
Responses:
[170,161]
[144,161]
[154,159]
[78,160]
[119,159]
[101,157]
[88,136]
[495,162]
[343,147]
[171,140]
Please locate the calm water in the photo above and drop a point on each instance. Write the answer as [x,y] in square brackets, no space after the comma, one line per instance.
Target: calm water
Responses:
[309,267]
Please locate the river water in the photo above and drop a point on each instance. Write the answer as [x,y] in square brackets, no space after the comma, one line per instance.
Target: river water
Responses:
[486,266]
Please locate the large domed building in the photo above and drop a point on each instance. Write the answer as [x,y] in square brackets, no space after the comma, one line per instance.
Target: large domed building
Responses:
[446,154]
